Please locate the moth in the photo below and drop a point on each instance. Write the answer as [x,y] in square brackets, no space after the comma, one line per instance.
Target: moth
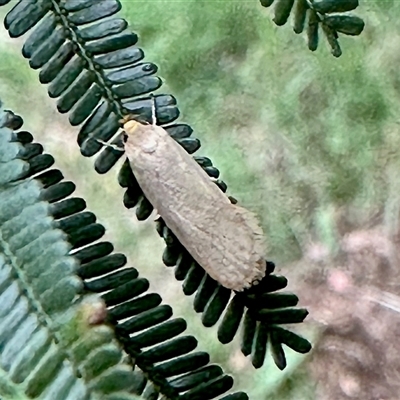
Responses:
[224,238]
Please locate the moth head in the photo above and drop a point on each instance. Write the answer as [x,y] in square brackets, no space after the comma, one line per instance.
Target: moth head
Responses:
[131,122]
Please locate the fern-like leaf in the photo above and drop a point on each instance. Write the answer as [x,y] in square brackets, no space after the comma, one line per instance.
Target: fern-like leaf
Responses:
[90,60]
[331,15]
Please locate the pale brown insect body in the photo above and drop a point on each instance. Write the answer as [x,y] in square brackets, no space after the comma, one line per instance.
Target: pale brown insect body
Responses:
[225,239]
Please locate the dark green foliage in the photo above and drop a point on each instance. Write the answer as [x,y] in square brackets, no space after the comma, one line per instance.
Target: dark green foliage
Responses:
[146,319]
[347,24]
[248,339]
[300,14]
[202,374]
[183,364]
[287,316]
[271,301]
[41,295]
[102,265]
[260,345]
[204,293]
[297,343]
[334,6]
[183,265]
[316,11]
[193,279]
[216,306]
[231,321]
[282,11]
[213,388]
[174,348]
[277,351]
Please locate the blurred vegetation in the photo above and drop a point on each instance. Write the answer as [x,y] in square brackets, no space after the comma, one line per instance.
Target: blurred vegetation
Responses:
[299,137]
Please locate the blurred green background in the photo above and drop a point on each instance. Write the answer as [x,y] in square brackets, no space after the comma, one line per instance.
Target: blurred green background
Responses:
[307,141]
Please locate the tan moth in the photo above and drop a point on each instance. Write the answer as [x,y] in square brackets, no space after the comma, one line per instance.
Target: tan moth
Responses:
[225,239]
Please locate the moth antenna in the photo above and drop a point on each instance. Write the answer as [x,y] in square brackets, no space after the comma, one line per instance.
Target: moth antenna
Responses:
[153,110]
[113,146]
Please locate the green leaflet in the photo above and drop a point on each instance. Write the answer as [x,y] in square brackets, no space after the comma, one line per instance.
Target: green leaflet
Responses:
[347,24]
[54,344]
